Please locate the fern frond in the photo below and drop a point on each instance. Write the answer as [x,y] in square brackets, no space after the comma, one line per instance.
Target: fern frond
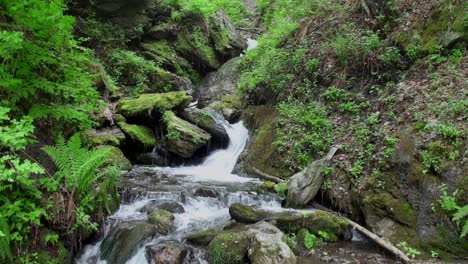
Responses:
[5,249]
[461,213]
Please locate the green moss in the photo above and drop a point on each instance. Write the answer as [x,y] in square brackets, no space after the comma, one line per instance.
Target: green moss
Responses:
[228,248]
[117,158]
[139,133]
[143,104]
[105,137]
[397,209]
[269,185]
[162,219]
[334,225]
[447,245]
[195,46]
[58,255]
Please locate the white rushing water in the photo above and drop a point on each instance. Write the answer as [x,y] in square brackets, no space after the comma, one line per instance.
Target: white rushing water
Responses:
[199,212]
[218,166]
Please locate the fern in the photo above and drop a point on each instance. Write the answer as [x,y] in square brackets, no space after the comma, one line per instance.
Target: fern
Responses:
[76,164]
[5,250]
[458,216]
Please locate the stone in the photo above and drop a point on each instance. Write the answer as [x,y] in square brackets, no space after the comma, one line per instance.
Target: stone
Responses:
[124,239]
[229,248]
[203,237]
[267,245]
[183,138]
[106,136]
[218,84]
[248,214]
[228,41]
[153,158]
[206,192]
[173,207]
[211,122]
[139,133]
[117,158]
[166,254]
[162,219]
[304,185]
[147,104]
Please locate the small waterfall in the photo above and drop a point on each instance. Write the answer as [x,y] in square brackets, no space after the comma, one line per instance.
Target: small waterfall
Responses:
[215,173]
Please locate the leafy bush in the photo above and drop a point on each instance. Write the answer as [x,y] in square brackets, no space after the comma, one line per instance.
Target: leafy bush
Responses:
[131,70]
[304,132]
[282,188]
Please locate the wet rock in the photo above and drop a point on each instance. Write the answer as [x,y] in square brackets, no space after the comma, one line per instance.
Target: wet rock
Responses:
[203,237]
[153,158]
[173,207]
[147,104]
[336,226]
[184,139]
[166,254]
[219,84]
[106,136]
[138,133]
[161,81]
[124,239]
[117,158]
[267,245]
[211,122]
[162,219]
[206,192]
[304,185]
[229,248]
[248,214]
[228,45]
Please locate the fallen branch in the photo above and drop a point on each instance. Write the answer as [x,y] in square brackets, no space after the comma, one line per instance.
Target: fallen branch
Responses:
[265,176]
[384,244]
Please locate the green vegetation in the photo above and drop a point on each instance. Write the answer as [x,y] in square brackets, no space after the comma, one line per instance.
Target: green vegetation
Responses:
[409,251]
[282,188]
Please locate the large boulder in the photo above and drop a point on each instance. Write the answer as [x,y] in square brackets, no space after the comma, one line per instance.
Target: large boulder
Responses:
[248,214]
[230,107]
[229,247]
[162,219]
[228,41]
[304,185]
[167,254]
[267,245]
[203,237]
[147,104]
[124,239]
[117,158]
[211,122]
[106,136]
[218,84]
[138,133]
[183,138]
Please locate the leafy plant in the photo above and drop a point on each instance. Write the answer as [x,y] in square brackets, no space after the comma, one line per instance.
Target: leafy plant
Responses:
[311,241]
[291,241]
[282,188]
[410,252]
[462,213]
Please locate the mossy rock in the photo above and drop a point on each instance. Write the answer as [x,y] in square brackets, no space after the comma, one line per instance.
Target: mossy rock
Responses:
[117,158]
[162,219]
[211,122]
[106,136]
[229,248]
[385,204]
[139,133]
[336,226]
[203,237]
[446,245]
[247,214]
[268,185]
[183,138]
[230,107]
[145,104]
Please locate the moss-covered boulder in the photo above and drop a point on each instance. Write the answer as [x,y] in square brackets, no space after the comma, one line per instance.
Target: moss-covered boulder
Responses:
[203,237]
[124,239]
[166,254]
[117,158]
[106,136]
[183,138]
[248,214]
[145,104]
[218,84]
[139,133]
[227,40]
[230,107]
[211,122]
[229,248]
[162,81]
[162,219]
[336,226]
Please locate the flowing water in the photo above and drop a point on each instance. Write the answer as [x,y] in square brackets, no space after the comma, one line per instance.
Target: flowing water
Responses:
[183,185]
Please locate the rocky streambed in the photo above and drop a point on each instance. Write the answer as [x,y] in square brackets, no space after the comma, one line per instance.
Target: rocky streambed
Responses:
[205,214]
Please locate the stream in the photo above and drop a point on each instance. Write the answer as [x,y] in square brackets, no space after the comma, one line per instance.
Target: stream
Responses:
[205,192]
